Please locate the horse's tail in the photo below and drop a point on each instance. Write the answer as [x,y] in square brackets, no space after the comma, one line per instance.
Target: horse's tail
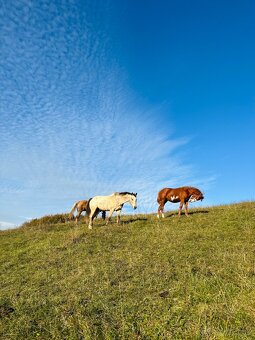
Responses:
[162,195]
[88,210]
[72,210]
[159,196]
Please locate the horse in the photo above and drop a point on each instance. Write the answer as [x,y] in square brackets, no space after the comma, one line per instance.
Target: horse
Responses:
[184,195]
[81,206]
[111,203]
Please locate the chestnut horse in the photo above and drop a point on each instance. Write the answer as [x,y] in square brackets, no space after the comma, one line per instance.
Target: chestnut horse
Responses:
[81,206]
[184,195]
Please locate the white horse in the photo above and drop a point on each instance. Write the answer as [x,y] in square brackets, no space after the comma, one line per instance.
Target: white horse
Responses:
[113,202]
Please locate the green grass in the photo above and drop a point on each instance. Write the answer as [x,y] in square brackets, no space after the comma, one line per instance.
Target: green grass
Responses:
[188,278]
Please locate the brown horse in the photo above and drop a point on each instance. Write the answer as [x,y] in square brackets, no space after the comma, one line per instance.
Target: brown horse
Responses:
[81,206]
[184,195]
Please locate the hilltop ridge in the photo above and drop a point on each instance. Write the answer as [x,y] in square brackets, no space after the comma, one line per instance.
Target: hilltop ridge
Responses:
[148,278]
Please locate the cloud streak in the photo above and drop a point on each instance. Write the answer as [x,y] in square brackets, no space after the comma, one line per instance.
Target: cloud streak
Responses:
[6,225]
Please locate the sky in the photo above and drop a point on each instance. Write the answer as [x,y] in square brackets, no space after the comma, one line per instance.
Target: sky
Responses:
[105,96]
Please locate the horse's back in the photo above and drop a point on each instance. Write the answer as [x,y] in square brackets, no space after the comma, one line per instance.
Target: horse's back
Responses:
[82,203]
[167,193]
[102,202]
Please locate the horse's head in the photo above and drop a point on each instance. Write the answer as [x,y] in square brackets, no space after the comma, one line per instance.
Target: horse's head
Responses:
[133,200]
[196,195]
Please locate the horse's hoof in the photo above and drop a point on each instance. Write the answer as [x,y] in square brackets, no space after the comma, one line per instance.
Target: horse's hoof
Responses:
[157,215]
[163,216]
[90,226]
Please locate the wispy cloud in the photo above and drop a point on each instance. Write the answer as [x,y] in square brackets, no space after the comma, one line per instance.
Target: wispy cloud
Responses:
[70,127]
[6,225]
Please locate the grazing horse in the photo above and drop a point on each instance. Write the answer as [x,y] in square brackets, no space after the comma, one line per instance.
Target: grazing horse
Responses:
[81,206]
[113,202]
[184,195]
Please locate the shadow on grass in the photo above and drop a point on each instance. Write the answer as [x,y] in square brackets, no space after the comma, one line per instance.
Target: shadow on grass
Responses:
[190,213]
[122,222]
[102,224]
[199,212]
[131,220]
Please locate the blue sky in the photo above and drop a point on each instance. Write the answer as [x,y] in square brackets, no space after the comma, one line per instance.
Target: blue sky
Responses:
[104,96]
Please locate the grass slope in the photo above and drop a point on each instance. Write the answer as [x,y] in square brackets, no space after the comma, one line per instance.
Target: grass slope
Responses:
[191,278]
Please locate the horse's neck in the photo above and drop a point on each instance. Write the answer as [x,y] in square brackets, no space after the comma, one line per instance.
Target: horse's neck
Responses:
[193,192]
[123,199]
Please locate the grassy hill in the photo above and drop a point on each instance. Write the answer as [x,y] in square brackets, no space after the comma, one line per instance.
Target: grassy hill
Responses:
[188,278]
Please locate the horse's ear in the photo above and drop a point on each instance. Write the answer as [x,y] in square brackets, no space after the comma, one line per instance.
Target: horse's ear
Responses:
[136,194]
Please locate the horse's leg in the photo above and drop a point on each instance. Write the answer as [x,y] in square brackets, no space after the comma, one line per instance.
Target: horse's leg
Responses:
[118,216]
[91,218]
[97,211]
[180,208]
[86,216]
[78,215]
[161,208]
[186,208]
[109,217]
[103,215]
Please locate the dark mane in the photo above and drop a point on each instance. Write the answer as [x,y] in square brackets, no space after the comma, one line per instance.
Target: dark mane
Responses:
[194,189]
[126,193]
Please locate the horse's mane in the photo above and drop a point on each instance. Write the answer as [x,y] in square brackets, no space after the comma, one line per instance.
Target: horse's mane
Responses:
[126,193]
[194,189]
